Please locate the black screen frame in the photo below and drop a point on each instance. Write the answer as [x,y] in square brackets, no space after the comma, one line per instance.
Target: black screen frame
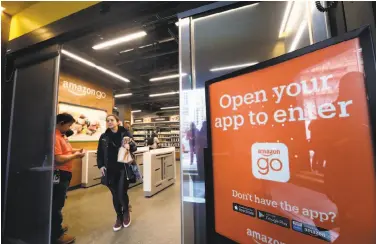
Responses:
[368,54]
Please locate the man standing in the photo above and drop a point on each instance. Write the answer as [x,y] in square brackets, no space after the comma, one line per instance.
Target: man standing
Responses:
[64,156]
[127,126]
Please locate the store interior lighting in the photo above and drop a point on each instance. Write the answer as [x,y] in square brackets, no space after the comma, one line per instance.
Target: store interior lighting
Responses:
[167,77]
[2,9]
[128,50]
[91,64]
[297,15]
[166,40]
[166,108]
[136,111]
[286,17]
[237,66]
[163,94]
[298,36]
[123,95]
[115,108]
[148,45]
[119,40]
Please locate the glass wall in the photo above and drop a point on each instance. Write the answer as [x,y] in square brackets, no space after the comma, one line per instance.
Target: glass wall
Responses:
[219,43]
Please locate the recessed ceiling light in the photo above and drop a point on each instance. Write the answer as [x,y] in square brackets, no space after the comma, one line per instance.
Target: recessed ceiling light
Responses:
[123,95]
[120,40]
[233,67]
[173,107]
[167,77]
[163,94]
[91,64]
[136,111]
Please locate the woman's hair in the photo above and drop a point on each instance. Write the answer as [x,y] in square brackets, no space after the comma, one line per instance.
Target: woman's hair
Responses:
[113,115]
[64,118]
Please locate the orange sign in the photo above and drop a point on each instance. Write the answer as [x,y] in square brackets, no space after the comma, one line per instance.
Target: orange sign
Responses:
[292,153]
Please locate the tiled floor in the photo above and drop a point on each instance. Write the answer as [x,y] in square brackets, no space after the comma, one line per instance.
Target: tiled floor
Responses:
[90,216]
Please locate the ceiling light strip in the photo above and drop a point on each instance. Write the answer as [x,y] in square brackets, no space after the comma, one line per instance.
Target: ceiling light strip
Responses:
[128,50]
[166,40]
[237,66]
[166,108]
[91,64]
[119,40]
[148,45]
[167,77]
[163,94]
[123,95]
[136,111]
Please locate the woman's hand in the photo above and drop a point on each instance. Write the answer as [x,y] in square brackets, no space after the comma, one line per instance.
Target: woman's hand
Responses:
[103,171]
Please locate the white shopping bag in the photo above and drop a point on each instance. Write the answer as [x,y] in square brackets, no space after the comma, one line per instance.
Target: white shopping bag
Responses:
[124,156]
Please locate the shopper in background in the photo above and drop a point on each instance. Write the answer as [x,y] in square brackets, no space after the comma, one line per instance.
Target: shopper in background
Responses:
[191,136]
[201,144]
[113,172]
[64,156]
[153,141]
[127,126]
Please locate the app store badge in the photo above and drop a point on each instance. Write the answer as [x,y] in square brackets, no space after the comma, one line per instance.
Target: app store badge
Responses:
[270,161]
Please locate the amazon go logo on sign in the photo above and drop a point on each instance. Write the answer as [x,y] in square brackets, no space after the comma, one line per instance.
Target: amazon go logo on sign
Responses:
[270,161]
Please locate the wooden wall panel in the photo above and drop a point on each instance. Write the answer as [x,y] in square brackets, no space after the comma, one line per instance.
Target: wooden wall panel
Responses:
[75,90]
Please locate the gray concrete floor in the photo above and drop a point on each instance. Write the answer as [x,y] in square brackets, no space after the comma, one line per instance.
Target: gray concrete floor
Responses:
[90,216]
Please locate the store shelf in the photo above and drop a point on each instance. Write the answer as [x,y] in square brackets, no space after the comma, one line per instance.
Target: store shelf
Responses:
[168,133]
[169,138]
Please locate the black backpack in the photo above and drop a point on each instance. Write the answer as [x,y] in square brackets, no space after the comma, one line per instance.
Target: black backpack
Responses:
[150,141]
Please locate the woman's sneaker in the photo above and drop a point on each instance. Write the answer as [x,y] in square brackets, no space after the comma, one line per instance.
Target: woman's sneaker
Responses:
[118,224]
[64,227]
[127,220]
[65,239]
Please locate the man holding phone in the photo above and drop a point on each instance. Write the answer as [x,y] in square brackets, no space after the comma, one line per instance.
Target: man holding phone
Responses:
[64,157]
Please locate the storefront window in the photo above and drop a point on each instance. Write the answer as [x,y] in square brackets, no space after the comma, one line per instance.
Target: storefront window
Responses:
[220,43]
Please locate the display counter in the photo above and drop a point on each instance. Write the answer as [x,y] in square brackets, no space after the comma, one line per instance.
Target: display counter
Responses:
[91,175]
[159,170]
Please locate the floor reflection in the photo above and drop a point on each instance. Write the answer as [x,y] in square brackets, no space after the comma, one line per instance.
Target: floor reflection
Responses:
[157,220]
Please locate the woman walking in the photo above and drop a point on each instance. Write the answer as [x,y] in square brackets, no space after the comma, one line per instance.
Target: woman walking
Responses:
[115,173]
[153,141]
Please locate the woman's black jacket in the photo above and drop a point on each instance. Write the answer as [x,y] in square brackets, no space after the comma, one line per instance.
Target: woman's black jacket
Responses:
[102,151]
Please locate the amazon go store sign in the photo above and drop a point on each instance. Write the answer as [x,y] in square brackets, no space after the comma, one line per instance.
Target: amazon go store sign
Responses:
[80,90]
[292,155]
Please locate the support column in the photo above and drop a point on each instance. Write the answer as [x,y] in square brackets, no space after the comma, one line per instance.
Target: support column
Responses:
[124,112]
